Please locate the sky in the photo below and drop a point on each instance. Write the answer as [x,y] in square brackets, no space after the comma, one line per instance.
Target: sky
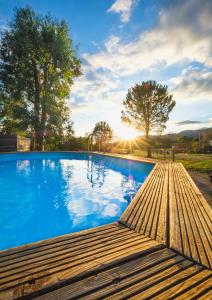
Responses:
[124,42]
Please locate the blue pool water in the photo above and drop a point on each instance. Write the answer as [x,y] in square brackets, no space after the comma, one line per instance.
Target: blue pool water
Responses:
[44,195]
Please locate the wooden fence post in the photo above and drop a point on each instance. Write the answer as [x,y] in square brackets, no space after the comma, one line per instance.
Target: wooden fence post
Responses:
[173,154]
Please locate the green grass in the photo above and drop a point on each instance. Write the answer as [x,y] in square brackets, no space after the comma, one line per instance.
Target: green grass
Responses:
[201,166]
[196,162]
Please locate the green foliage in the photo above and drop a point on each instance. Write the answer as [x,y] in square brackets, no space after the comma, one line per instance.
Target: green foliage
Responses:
[74,144]
[201,166]
[147,107]
[184,139]
[37,67]
[196,162]
[55,138]
[195,145]
[103,133]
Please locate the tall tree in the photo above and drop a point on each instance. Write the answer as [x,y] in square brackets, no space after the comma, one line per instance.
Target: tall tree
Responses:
[37,65]
[103,133]
[147,107]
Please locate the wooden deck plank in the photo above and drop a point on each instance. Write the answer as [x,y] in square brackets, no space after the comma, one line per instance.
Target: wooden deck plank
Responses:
[34,274]
[190,225]
[191,288]
[202,215]
[205,295]
[130,278]
[170,209]
[45,244]
[147,214]
[148,200]
[174,220]
[69,261]
[181,213]
[140,285]
[159,222]
[199,217]
[183,276]
[71,247]
[201,242]
[131,215]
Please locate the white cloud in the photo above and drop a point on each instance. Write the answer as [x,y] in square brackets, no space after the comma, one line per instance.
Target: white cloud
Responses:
[95,85]
[111,210]
[175,39]
[181,37]
[122,7]
[112,43]
[194,84]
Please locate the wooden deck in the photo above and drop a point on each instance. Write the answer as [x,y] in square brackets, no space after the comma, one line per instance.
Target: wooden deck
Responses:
[170,209]
[160,249]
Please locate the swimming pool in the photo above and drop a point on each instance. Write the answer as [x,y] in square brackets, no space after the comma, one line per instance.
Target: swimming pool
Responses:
[43,195]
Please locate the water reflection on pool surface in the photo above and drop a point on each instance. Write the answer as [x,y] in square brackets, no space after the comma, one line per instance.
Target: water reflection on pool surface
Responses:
[44,195]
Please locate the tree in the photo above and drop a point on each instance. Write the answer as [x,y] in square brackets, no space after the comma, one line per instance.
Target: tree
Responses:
[103,133]
[74,143]
[147,107]
[195,145]
[37,66]
[55,138]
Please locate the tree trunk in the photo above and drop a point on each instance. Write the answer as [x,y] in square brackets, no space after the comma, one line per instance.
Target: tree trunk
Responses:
[99,144]
[149,154]
[37,142]
[44,111]
[43,128]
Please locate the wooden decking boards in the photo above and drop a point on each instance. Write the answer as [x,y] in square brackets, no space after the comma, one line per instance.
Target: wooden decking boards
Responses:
[190,218]
[170,209]
[108,262]
[147,213]
[161,273]
[160,249]
[53,262]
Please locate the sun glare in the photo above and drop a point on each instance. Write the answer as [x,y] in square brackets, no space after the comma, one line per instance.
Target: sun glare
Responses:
[128,133]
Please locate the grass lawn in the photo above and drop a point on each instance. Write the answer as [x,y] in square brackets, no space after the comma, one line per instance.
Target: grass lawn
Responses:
[196,162]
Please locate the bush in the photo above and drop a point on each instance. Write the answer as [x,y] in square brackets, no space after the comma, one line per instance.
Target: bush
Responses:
[74,144]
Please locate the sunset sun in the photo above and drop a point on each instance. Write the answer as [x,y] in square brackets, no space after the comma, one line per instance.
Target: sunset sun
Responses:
[127,133]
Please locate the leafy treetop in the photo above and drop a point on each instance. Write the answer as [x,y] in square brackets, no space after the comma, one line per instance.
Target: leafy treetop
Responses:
[37,66]
[147,107]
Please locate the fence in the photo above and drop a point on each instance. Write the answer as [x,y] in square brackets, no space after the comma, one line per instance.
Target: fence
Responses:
[13,143]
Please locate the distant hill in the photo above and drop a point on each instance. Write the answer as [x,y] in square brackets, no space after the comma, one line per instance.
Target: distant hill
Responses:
[194,133]
[186,133]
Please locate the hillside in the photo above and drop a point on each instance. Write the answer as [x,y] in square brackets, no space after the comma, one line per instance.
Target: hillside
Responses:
[189,133]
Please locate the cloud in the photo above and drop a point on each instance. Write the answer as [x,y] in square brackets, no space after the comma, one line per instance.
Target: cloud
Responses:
[124,8]
[95,85]
[181,37]
[111,210]
[193,84]
[175,39]
[188,122]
